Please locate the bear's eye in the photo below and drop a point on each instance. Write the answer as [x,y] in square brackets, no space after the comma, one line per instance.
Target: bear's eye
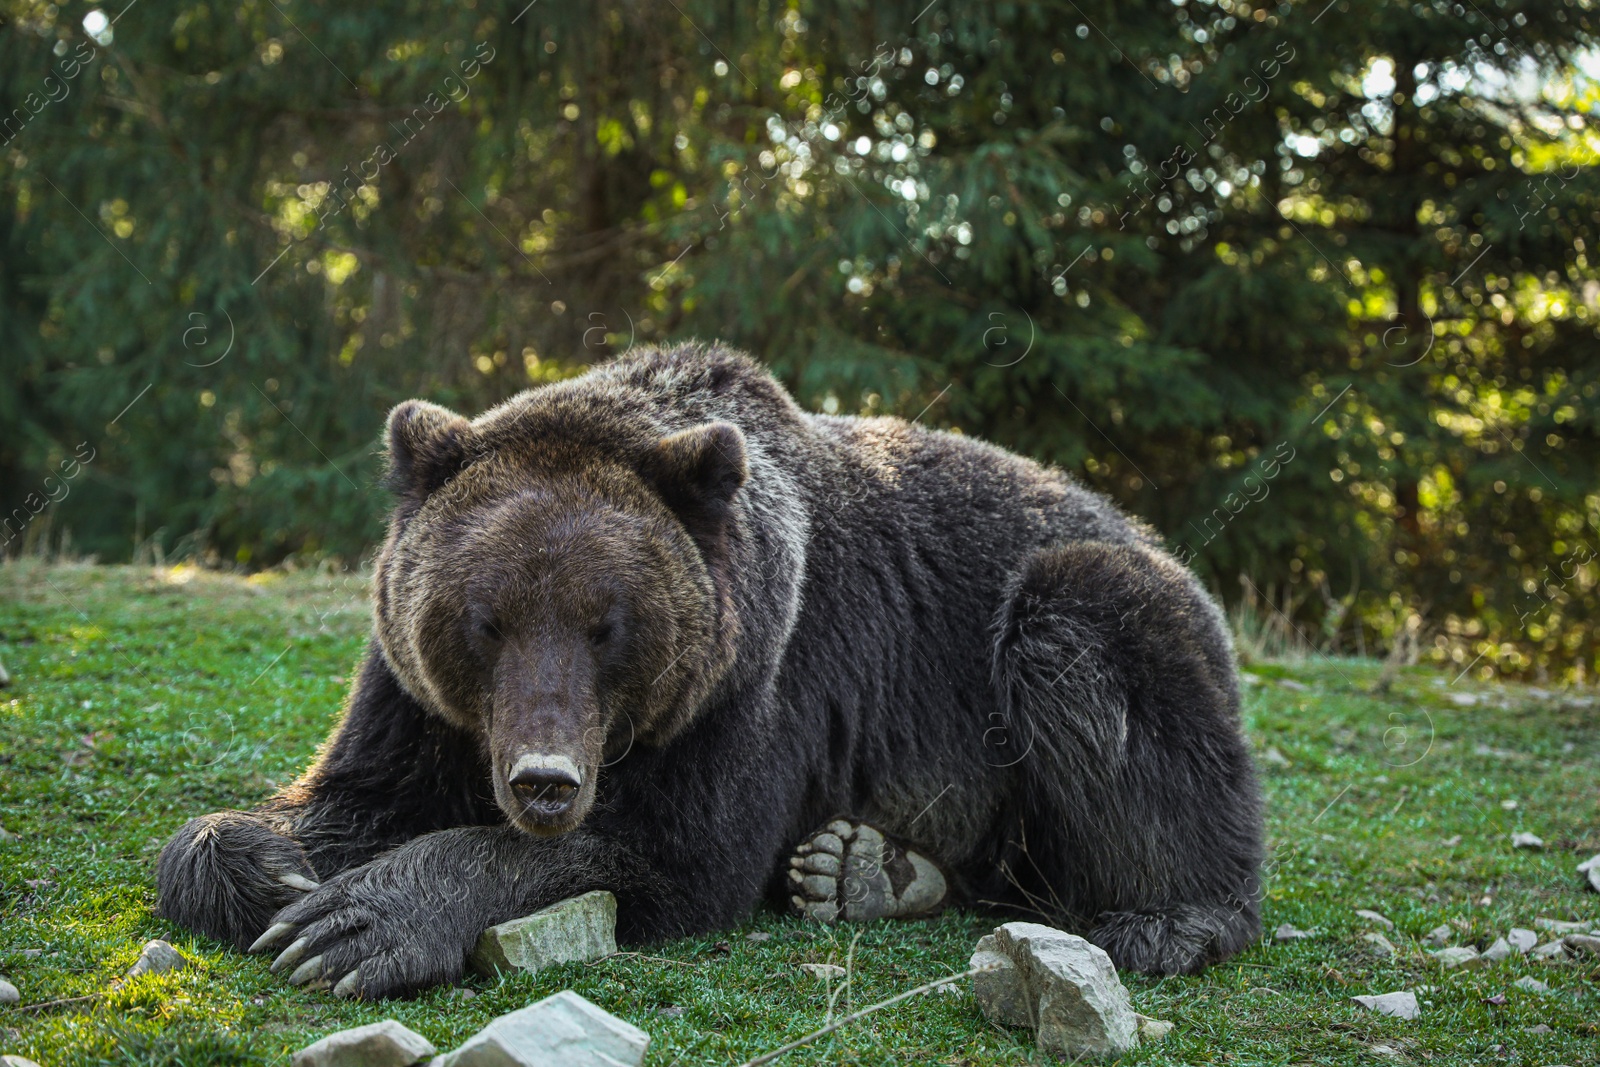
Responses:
[600,634]
[488,630]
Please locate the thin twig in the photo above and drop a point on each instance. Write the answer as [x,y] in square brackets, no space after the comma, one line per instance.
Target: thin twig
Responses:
[768,1057]
[57,1003]
[639,956]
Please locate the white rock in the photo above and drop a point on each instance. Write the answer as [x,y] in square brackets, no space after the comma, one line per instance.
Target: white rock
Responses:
[1379,945]
[1531,984]
[581,928]
[1152,1030]
[1375,917]
[16,1061]
[1500,950]
[1290,683]
[1581,943]
[1275,757]
[158,957]
[1288,932]
[824,972]
[1465,958]
[1402,1005]
[1552,950]
[1526,840]
[1591,867]
[385,1044]
[1439,936]
[1558,926]
[8,993]
[999,991]
[563,1030]
[1522,940]
[1077,1002]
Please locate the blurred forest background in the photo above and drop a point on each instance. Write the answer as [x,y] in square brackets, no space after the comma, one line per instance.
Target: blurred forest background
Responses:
[1307,285]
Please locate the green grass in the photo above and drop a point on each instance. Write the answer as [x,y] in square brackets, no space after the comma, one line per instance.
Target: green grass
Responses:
[143,697]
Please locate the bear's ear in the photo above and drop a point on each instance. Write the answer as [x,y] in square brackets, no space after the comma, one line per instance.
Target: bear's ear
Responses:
[427,444]
[699,468]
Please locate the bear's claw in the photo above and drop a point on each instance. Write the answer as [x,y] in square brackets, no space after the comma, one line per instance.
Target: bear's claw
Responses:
[275,933]
[851,871]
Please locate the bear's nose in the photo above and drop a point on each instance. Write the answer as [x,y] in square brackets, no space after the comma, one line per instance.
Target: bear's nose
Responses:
[548,790]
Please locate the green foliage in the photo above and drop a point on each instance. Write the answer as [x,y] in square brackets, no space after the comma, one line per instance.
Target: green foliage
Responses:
[1164,245]
[145,696]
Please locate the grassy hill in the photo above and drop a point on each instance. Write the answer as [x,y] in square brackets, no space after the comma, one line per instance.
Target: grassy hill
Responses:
[144,696]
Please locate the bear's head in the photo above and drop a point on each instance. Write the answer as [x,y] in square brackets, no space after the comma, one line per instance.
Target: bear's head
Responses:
[555,582]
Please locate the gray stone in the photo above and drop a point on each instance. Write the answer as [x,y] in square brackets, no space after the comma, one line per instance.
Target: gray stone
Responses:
[1287,932]
[158,957]
[580,928]
[1539,1028]
[16,1061]
[1375,917]
[1550,950]
[563,1030]
[385,1044]
[1559,926]
[1522,940]
[1440,935]
[1581,943]
[1530,984]
[999,991]
[1591,868]
[1464,958]
[1500,950]
[1402,1005]
[1152,1030]
[1379,945]
[824,972]
[1077,1003]
[1527,840]
[8,993]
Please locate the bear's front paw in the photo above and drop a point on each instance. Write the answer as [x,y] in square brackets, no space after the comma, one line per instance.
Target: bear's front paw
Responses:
[376,931]
[226,874]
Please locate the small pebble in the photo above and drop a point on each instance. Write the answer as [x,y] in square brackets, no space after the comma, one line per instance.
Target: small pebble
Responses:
[1402,1005]
[1541,1028]
[1375,917]
[1527,840]
[1582,943]
[1380,945]
[758,935]
[1552,950]
[1439,936]
[158,957]
[1464,958]
[1287,932]
[1522,940]
[8,993]
[1500,950]
[1530,984]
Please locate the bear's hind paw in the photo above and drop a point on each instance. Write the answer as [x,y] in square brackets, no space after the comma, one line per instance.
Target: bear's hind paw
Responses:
[850,871]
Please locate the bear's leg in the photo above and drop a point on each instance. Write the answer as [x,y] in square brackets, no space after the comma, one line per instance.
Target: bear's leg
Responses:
[851,871]
[1143,823]
[390,773]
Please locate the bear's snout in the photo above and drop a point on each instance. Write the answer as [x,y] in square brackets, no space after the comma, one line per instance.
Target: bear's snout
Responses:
[546,785]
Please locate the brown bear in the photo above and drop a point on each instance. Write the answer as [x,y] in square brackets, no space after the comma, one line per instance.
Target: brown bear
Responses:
[656,630]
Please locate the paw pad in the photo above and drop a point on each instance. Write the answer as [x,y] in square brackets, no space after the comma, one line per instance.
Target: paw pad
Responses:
[851,871]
